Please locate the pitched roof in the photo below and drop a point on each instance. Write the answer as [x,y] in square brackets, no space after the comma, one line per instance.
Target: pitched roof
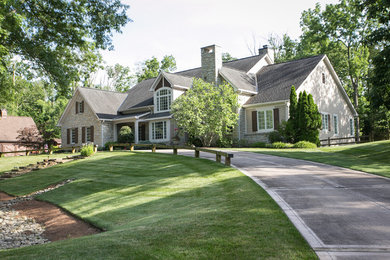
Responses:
[10,126]
[104,103]
[239,79]
[275,81]
[244,64]
[179,80]
[138,96]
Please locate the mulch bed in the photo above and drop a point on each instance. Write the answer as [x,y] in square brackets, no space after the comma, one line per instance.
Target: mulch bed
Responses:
[59,225]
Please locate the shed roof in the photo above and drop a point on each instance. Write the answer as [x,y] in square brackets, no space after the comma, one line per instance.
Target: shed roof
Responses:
[10,126]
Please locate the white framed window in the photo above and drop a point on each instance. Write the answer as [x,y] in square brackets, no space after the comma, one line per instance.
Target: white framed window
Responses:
[159,131]
[88,134]
[73,136]
[325,122]
[336,124]
[351,126]
[163,99]
[265,120]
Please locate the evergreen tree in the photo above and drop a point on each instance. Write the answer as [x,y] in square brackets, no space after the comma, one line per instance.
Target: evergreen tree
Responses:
[314,123]
[292,122]
[303,117]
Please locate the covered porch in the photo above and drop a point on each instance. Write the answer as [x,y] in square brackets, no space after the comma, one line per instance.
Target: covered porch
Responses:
[138,128]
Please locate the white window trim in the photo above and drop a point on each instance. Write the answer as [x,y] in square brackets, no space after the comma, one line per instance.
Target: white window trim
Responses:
[326,129]
[155,100]
[338,124]
[353,126]
[265,118]
[168,137]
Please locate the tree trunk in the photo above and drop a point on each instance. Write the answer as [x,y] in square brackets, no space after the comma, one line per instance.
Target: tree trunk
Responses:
[356,101]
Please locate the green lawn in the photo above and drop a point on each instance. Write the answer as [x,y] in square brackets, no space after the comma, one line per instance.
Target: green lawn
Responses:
[8,163]
[368,157]
[159,206]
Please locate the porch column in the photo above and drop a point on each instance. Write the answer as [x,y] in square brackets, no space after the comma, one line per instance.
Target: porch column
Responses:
[115,133]
[136,131]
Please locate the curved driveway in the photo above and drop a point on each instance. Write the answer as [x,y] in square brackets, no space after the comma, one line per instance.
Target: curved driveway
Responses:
[343,214]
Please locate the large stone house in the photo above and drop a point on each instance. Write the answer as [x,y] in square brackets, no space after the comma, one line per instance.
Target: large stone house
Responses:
[263,90]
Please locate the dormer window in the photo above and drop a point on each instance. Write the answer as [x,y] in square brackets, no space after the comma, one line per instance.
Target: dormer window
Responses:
[163,99]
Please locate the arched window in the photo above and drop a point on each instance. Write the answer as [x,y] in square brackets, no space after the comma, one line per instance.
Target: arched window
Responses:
[163,99]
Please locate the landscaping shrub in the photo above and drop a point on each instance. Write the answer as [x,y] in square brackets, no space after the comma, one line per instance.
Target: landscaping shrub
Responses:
[305,144]
[275,136]
[126,135]
[281,145]
[87,150]
[259,145]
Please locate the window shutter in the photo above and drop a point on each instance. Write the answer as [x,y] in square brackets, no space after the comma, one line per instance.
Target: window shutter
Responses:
[68,136]
[276,118]
[329,123]
[83,134]
[82,107]
[77,135]
[92,134]
[77,107]
[254,121]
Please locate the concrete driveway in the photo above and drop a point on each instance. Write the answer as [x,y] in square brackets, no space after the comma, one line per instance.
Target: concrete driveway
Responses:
[343,214]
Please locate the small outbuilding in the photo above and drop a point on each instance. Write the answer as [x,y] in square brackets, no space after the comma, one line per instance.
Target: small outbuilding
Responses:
[10,128]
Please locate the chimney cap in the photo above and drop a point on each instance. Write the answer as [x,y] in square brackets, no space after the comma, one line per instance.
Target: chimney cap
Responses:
[265,46]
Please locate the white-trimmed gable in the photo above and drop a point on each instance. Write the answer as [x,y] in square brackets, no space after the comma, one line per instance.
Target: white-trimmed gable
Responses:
[266,60]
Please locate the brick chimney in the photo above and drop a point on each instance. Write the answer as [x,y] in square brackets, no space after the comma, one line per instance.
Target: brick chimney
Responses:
[266,49]
[3,113]
[211,62]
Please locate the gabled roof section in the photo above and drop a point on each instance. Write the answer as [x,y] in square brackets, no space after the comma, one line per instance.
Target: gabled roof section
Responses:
[239,79]
[192,73]
[274,81]
[178,80]
[244,64]
[104,103]
[10,126]
[138,96]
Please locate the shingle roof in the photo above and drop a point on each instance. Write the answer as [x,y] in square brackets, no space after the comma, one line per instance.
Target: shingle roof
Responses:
[239,79]
[193,73]
[244,64]
[157,115]
[180,80]
[275,81]
[103,102]
[10,126]
[138,96]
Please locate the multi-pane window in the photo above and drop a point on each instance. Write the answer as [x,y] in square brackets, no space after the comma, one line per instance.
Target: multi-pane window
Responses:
[88,133]
[159,130]
[325,122]
[265,119]
[163,100]
[351,126]
[336,124]
[73,136]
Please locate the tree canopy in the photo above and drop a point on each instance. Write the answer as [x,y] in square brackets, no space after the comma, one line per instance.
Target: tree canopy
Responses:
[207,111]
[151,67]
[58,37]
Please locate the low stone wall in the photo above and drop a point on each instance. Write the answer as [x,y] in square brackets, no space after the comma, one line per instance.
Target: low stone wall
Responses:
[256,137]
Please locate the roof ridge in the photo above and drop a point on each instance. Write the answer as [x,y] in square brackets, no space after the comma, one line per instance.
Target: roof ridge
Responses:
[178,75]
[305,58]
[241,59]
[111,91]
[186,70]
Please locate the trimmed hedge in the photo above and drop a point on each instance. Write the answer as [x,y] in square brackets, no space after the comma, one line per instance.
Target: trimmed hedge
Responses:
[281,145]
[305,144]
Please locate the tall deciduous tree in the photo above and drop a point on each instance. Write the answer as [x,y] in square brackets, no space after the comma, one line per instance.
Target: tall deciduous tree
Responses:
[207,111]
[150,68]
[57,36]
[379,11]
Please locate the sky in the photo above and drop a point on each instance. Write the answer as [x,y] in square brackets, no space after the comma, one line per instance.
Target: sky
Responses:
[181,27]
